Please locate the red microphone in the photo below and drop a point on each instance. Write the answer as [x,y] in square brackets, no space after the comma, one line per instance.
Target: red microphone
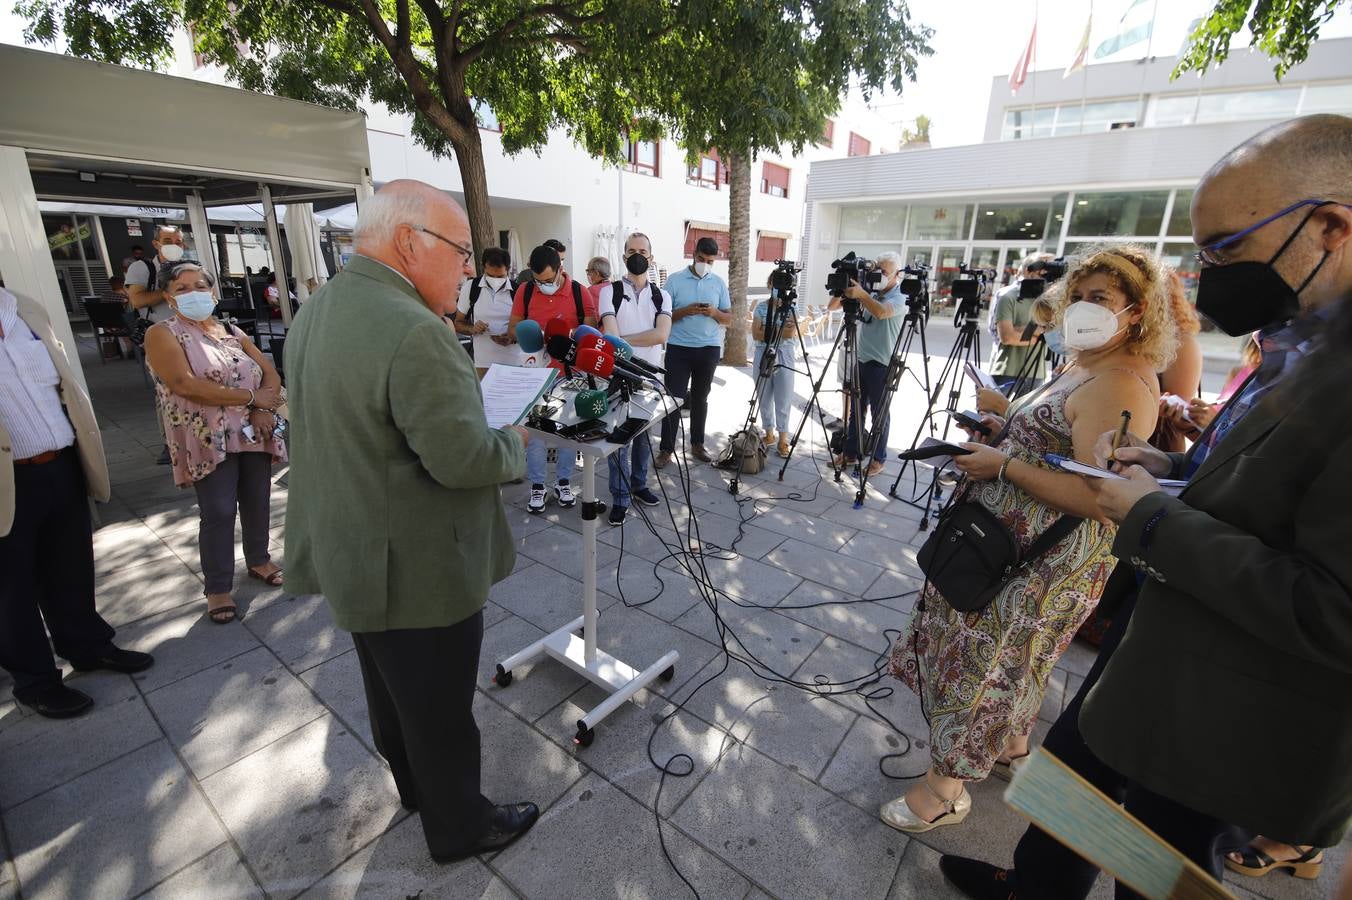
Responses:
[594,362]
[557,327]
[595,342]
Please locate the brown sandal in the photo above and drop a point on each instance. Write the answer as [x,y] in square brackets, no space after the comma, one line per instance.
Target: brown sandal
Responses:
[1255,863]
[274,580]
[222,615]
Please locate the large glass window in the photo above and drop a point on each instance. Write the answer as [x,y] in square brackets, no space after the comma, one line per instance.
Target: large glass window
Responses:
[1103,116]
[1182,257]
[1021,124]
[1180,220]
[939,222]
[1010,221]
[1175,109]
[1118,214]
[1232,106]
[872,223]
[1327,98]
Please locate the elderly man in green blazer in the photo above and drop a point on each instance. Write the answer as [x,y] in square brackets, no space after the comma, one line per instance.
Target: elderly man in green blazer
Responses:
[394,513]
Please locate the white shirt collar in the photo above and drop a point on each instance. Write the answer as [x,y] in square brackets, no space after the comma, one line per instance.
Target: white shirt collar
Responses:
[383,266]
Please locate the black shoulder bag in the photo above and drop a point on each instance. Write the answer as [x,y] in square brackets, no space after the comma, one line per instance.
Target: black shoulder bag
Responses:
[971,556]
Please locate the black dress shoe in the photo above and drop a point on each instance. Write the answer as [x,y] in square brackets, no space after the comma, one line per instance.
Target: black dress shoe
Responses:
[115,660]
[55,701]
[978,880]
[505,824]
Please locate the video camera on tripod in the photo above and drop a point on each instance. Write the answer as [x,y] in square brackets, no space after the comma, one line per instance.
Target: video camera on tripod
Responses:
[1041,274]
[856,268]
[966,289]
[915,287]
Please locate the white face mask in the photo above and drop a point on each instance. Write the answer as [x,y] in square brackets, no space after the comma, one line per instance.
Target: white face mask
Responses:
[546,288]
[701,269]
[494,282]
[1088,326]
[171,252]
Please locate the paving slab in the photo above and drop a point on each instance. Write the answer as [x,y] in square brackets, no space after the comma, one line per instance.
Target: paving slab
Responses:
[788,835]
[220,875]
[777,641]
[536,687]
[561,550]
[1078,659]
[887,700]
[850,576]
[919,878]
[546,599]
[659,592]
[854,772]
[338,685]
[184,642]
[786,518]
[112,832]
[299,630]
[580,835]
[147,493]
[228,711]
[796,727]
[303,804]
[38,754]
[895,555]
[853,619]
[142,591]
[640,640]
[897,589]
[125,546]
[519,762]
[397,864]
[746,579]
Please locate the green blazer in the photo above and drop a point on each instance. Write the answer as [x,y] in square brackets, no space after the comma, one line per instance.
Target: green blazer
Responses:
[393,511]
[1230,690]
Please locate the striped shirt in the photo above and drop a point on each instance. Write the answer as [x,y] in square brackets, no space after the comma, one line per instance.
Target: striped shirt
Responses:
[30,407]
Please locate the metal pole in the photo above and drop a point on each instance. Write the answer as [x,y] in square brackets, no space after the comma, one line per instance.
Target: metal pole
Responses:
[84,260]
[278,254]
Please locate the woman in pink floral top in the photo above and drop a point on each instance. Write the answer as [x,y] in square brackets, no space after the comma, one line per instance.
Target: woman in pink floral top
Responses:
[217,395]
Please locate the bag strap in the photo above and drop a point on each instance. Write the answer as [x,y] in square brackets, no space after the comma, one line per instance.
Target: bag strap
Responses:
[525,301]
[577,299]
[475,287]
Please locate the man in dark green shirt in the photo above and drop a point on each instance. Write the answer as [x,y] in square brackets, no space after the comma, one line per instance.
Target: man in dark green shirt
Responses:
[1012,314]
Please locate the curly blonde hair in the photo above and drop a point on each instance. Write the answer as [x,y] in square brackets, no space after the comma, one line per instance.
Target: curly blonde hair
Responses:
[1146,282]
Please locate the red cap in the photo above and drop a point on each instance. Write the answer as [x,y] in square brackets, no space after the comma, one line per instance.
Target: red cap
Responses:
[557,326]
[594,362]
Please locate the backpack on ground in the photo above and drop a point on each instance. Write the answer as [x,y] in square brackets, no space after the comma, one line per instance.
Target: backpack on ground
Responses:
[745,452]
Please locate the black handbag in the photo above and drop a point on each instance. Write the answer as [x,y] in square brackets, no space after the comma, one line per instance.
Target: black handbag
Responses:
[971,556]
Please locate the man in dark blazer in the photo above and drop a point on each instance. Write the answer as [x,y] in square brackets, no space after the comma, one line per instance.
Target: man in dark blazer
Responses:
[394,513]
[1219,698]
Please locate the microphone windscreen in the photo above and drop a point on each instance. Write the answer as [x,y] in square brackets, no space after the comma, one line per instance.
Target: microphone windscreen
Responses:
[595,362]
[556,327]
[561,348]
[582,331]
[529,336]
[621,347]
[591,404]
[593,342]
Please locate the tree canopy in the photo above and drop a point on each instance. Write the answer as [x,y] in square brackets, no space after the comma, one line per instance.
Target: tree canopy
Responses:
[1281,29]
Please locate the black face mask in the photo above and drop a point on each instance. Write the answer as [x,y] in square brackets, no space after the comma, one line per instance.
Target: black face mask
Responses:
[637,264]
[1245,296]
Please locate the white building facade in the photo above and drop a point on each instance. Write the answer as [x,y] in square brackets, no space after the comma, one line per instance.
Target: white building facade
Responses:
[1110,154]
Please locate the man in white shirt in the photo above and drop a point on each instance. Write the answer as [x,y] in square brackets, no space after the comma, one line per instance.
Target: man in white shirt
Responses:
[51,462]
[641,314]
[483,310]
[143,288]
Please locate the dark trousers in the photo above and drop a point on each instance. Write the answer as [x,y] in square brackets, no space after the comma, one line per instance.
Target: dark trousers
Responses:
[242,481]
[47,573]
[872,386]
[420,697]
[690,375]
[1045,869]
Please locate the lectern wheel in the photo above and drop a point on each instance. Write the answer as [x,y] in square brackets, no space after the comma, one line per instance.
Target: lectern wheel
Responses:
[503,678]
[668,673]
[584,736]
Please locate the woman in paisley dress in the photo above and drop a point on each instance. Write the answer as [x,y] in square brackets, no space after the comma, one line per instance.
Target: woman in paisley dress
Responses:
[981,675]
[217,395]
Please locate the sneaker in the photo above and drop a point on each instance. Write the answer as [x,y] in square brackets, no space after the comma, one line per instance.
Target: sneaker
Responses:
[563,493]
[537,500]
[646,497]
[616,516]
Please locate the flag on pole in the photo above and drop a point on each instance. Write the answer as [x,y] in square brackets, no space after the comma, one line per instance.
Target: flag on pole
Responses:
[1082,51]
[1020,73]
[1133,28]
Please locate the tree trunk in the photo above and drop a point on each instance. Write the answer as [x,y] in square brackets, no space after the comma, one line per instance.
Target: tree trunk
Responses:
[473,176]
[739,260]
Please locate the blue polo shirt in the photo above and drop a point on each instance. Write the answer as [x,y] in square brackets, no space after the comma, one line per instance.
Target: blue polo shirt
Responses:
[877,337]
[688,289]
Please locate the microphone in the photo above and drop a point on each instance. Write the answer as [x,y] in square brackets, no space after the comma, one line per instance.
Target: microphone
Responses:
[582,331]
[529,336]
[597,363]
[593,342]
[556,327]
[592,404]
[625,352]
[564,349]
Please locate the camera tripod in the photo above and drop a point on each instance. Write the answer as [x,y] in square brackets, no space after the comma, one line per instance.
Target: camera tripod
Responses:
[966,350]
[779,309]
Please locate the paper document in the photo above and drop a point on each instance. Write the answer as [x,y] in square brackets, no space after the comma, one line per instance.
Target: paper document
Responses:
[510,392]
[1171,486]
[981,378]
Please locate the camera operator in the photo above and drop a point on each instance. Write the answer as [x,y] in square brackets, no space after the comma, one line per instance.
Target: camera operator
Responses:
[1011,314]
[777,402]
[881,316]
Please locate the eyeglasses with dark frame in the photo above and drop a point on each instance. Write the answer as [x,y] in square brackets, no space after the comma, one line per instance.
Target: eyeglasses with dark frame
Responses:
[460,248]
[1207,256]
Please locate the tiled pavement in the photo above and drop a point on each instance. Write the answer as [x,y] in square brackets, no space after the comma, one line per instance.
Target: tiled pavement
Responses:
[242,764]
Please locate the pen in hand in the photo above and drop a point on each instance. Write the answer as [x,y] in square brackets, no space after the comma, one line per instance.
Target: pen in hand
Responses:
[1120,438]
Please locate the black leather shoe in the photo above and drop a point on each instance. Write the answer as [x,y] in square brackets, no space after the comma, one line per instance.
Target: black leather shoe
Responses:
[978,880]
[505,824]
[115,660]
[55,701]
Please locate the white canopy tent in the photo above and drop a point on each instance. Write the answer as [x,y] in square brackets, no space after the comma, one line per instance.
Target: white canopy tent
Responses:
[72,134]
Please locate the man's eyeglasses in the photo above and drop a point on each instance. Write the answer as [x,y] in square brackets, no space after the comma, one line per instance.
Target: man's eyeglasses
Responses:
[1208,255]
[460,248]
